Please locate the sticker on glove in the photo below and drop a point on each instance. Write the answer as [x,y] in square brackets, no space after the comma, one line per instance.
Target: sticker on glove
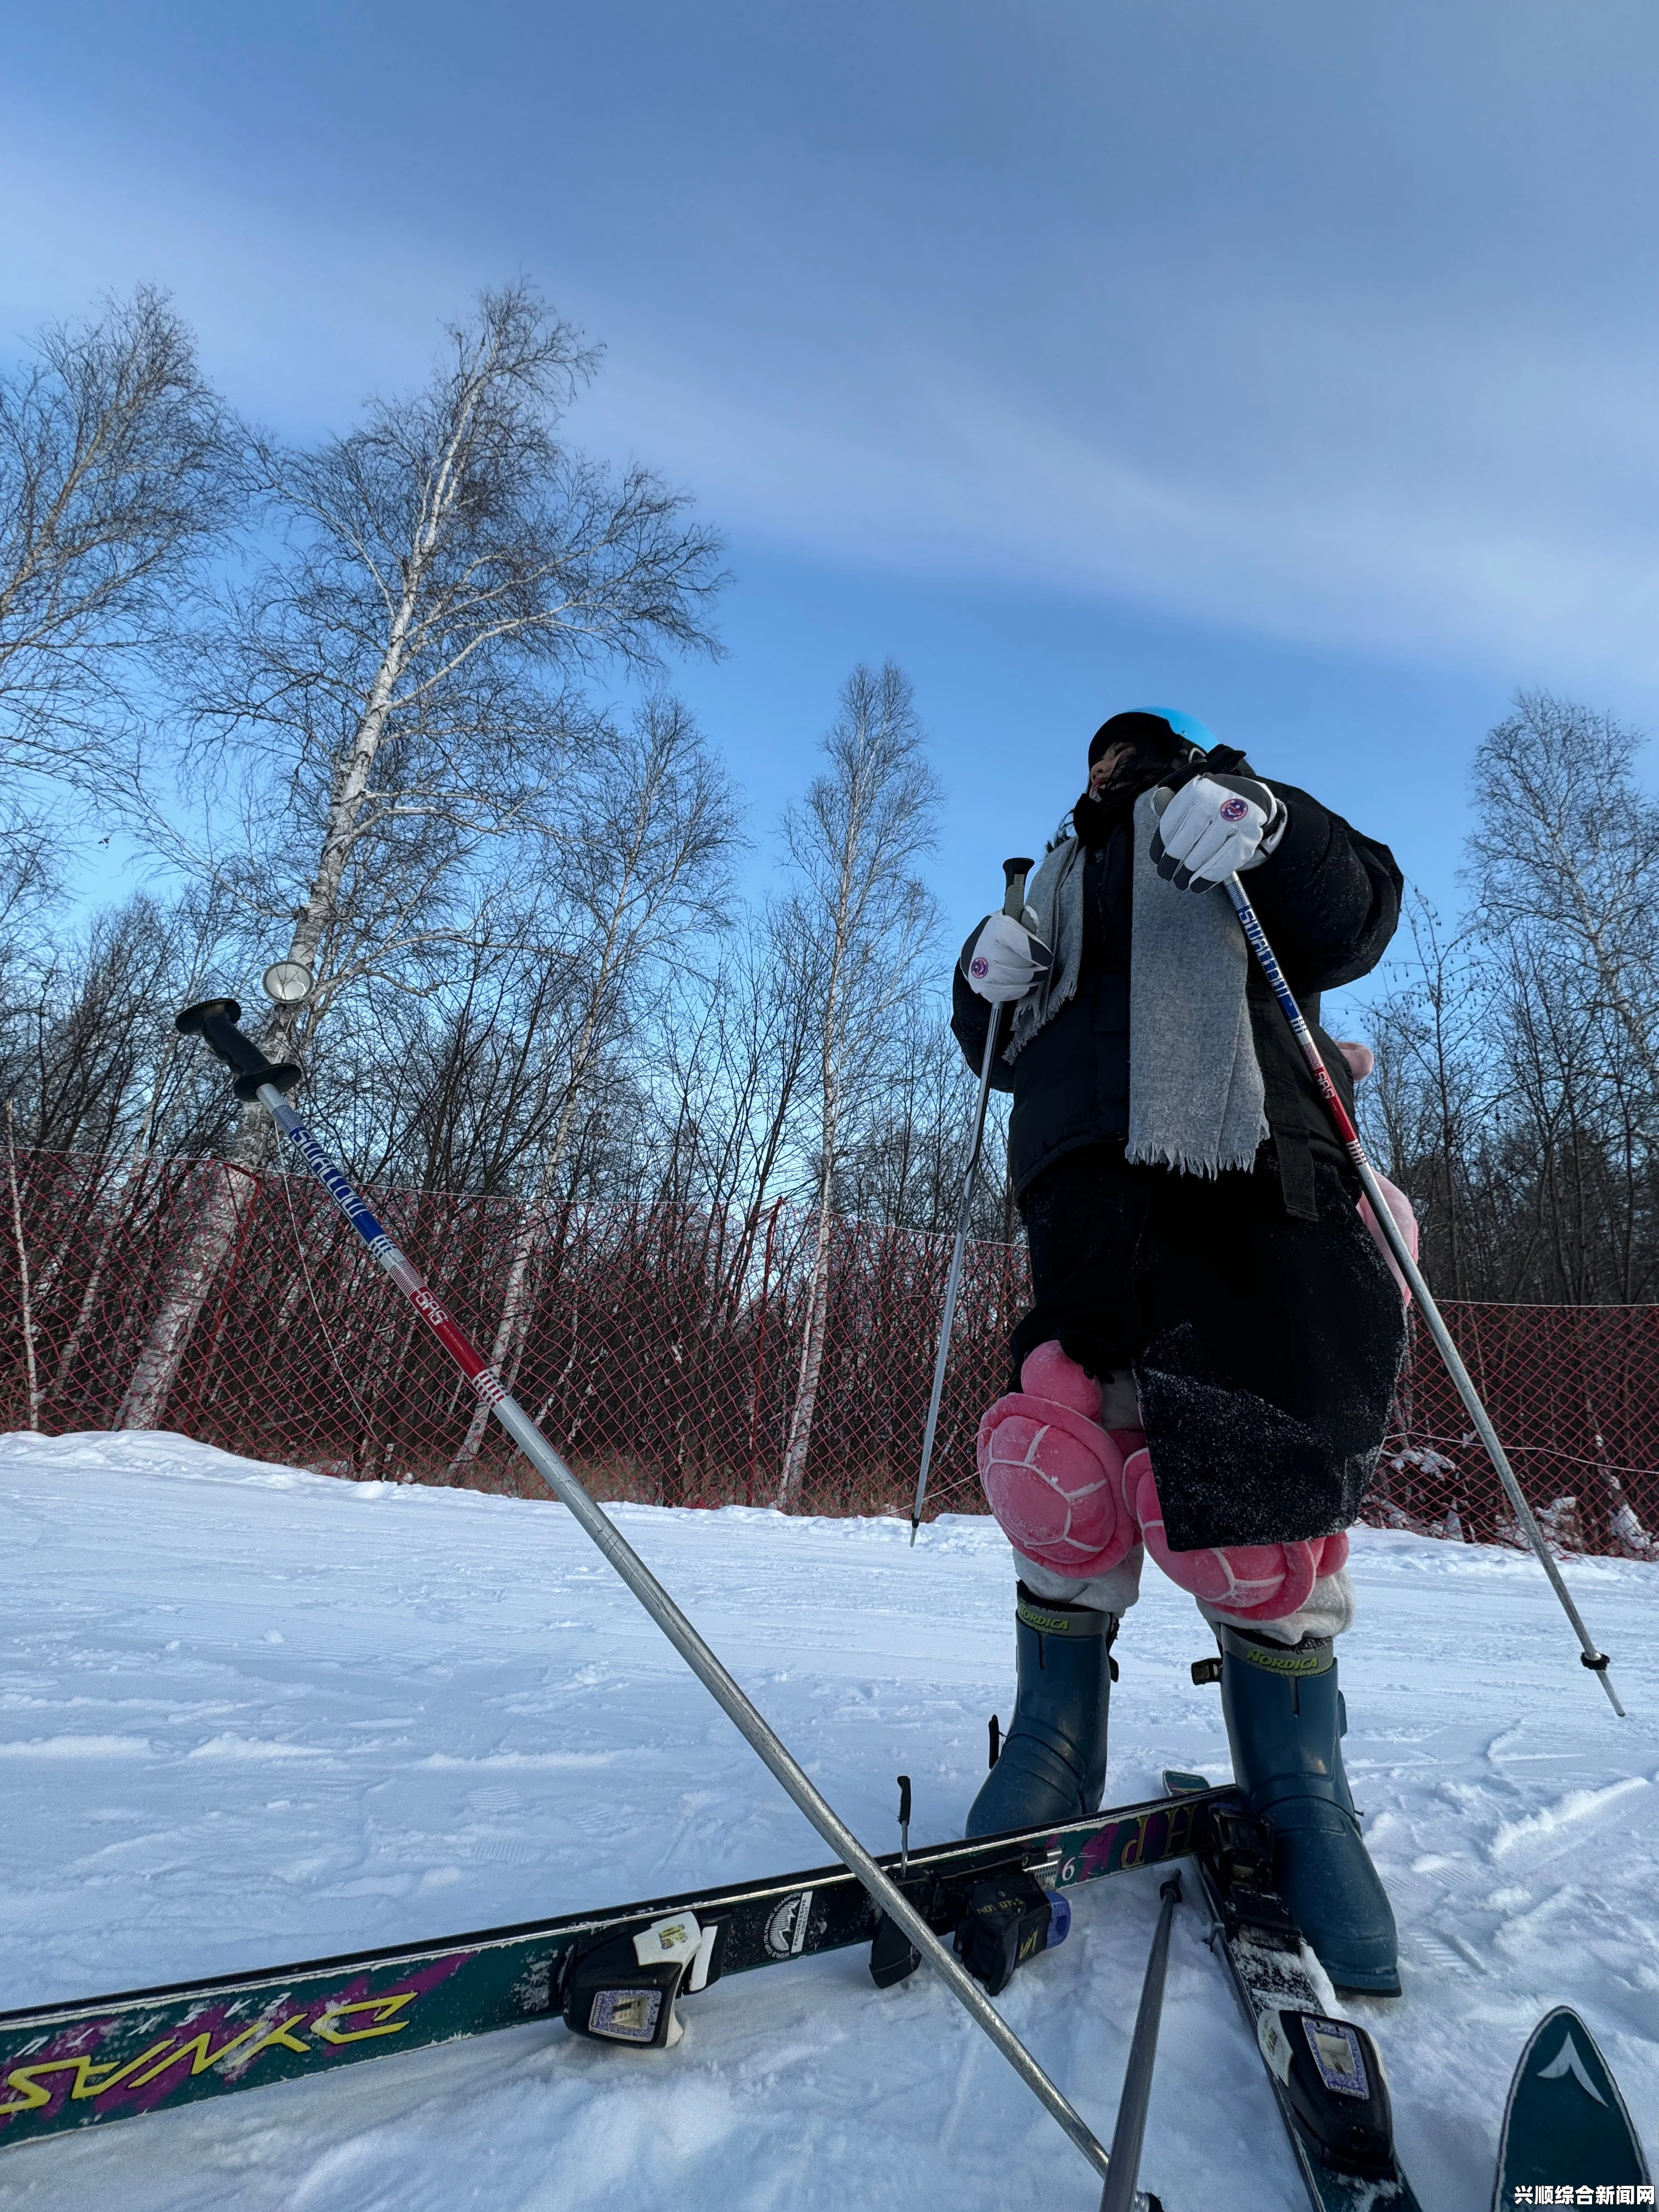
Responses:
[979,966]
[1234,809]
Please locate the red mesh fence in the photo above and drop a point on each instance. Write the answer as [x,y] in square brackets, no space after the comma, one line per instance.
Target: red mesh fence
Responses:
[660,1350]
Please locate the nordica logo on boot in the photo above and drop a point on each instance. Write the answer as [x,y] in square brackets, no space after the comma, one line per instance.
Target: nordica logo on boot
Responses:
[1046,1624]
[1278,1660]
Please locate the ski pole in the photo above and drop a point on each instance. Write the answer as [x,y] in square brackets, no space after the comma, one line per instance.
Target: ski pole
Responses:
[1014,873]
[214,1020]
[1596,1661]
[1119,2194]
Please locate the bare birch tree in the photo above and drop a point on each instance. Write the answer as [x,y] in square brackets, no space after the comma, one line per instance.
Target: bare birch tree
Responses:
[1515,1096]
[644,872]
[863,919]
[1567,853]
[901,1164]
[400,688]
[119,470]
[1435,1089]
[735,1056]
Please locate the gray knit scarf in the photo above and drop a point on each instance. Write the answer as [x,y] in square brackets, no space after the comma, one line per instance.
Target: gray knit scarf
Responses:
[1195,1091]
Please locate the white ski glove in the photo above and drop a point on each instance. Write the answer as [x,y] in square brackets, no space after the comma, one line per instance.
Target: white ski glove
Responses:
[1214,825]
[1006,960]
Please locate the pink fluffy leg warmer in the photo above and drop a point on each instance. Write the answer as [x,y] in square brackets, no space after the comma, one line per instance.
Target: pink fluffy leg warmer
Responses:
[1076,1498]
[1052,1475]
[1252,1582]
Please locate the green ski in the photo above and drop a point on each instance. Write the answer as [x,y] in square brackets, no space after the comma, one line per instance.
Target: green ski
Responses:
[1567,2137]
[616,1976]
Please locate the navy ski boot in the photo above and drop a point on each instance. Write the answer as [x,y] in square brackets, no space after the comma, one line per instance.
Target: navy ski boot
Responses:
[1053,1762]
[1285,1721]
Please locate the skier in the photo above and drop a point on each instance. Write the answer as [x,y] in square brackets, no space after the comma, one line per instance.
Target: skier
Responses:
[1207,1366]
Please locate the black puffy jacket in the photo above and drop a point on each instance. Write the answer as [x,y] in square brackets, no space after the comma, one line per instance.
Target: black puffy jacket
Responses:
[1329,901]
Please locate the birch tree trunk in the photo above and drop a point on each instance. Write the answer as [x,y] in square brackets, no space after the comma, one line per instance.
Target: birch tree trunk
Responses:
[198,1269]
[868,918]
[31,1372]
[811,1361]
[817,1282]
[231,1190]
[399,685]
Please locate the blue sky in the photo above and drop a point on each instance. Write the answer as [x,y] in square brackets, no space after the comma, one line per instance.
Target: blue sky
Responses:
[1294,365]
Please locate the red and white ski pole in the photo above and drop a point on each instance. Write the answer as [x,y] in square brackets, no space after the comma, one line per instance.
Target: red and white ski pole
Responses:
[214,1020]
[1256,936]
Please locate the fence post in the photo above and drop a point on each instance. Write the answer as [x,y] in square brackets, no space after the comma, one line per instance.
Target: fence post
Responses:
[760,1356]
[29,1369]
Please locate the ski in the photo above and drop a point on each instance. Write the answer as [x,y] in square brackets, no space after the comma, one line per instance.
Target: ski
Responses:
[616,1976]
[1567,2137]
[1324,2070]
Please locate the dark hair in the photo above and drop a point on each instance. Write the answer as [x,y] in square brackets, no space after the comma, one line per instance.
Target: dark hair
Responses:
[1154,751]
[1149,734]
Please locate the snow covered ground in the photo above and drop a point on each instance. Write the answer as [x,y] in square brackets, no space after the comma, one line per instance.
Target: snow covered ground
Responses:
[249,1715]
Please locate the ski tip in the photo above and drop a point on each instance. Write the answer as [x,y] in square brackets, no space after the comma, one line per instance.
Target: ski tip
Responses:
[1179,1783]
[1565,2120]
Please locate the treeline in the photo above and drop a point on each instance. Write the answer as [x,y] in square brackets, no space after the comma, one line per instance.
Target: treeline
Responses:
[395,709]
[1517,1091]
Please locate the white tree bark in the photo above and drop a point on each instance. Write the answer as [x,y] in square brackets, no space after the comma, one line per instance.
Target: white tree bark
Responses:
[818,1281]
[228,1192]
[400,676]
[31,1374]
[163,1353]
[864,825]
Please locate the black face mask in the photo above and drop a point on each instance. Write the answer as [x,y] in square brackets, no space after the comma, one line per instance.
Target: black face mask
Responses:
[1098,816]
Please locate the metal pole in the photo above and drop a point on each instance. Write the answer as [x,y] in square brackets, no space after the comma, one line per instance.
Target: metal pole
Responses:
[1014,873]
[1590,1657]
[1119,2194]
[215,1021]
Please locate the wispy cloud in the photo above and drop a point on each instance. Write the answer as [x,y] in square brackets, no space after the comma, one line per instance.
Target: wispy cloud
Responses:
[1279,332]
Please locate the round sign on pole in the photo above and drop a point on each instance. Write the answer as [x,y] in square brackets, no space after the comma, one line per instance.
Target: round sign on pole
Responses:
[287,981]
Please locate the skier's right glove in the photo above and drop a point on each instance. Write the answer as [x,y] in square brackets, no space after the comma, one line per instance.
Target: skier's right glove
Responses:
[1213,826]
[1005,960]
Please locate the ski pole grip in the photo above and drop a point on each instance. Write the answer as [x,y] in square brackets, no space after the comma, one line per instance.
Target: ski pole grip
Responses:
[904,1801]
[1014,873]
[214,1020]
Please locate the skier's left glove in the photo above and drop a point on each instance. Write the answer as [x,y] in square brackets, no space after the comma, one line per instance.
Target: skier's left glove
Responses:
[1214,825]
[1004,960]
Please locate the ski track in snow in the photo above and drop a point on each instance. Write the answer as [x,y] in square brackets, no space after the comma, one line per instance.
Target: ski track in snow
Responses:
[249,1715]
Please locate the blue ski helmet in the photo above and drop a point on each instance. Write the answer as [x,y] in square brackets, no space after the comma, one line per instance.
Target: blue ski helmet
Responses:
[1184,726]
[1148,729]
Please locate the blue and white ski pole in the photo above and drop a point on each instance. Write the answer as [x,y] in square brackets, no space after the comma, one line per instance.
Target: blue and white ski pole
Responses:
[1256,936]
[214,1020]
